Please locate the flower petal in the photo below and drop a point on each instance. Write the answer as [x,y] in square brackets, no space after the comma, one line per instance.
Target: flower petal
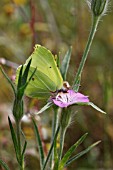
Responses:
[65,99]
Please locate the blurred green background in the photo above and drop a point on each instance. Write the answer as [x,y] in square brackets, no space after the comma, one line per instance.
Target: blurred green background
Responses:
[57,24]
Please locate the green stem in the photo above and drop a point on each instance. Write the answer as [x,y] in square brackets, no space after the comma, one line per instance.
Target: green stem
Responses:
[21,160]
[54,128]
[62,137]
[51,148]
[95,22]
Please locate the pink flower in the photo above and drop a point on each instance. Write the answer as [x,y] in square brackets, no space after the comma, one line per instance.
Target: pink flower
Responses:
[65,99]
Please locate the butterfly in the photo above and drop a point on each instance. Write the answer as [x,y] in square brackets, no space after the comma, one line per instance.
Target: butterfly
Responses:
[47,81]
[47,77]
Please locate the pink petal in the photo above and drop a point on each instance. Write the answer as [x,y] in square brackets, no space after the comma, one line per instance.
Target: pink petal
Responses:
[65,99]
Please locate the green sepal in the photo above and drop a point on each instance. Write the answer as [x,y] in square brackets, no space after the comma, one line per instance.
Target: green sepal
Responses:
[92,105]
[81,154]
[47,106]
[4,165]
[65,64]
[70,151]
[18,109]
[99,7]
[96,107]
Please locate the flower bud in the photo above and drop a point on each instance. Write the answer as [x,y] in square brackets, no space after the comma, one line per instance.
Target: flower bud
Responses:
[98,7]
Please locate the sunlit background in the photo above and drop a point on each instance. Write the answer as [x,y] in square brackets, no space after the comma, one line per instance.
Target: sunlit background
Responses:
[57,25]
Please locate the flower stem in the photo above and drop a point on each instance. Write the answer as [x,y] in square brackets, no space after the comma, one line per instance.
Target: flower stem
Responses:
[64,123]
[54,128]
[21,160]
[62,137]
[95,22]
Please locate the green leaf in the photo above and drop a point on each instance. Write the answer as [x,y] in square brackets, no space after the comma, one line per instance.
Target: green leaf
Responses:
[39,142]
[65,63]
[77,85]
[20,77]
[3,164]
[8,79]
[96,107]
[30,78]
[70,151]
[25,74]
[14,139]
[48,105]
[51,148]
[21,90]
[24,148]
[81,153]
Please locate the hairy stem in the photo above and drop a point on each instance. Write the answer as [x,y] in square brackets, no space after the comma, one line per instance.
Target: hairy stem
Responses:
[21,160]
[54,128]
[62,137]
[95,22]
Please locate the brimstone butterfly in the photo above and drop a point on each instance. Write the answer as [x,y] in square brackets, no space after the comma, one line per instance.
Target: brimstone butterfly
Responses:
[47,77]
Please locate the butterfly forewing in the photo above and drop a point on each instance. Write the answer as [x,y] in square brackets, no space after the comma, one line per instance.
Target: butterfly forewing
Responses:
[45,62]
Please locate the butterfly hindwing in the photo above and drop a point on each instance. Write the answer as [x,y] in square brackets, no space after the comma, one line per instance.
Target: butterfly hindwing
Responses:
[47,77]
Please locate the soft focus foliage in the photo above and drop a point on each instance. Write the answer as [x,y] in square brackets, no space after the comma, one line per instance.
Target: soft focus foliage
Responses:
[57,25]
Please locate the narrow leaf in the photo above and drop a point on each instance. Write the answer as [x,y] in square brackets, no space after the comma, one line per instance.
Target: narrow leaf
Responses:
[8,79]
[81,153]
[20,77]
[3,164]
[39,143]
[25,74]
[24,148]
[96,107]
[14,139]
[65,63]
[47,106]
[51,148]
[70,151]
[22,89]
[31,76]
[77,85]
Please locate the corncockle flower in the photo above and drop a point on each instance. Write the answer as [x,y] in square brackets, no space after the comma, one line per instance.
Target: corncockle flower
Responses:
[66,96]
[69,97]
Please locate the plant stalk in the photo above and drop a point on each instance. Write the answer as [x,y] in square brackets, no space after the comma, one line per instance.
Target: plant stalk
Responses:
[62,137]
[21,160]
[54,128]
[95,21]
